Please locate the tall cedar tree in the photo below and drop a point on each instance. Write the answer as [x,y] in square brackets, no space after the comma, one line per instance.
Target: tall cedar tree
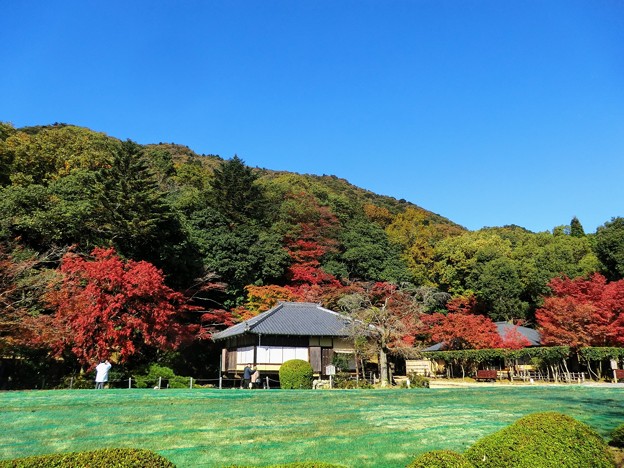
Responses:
[134,215]
[235,194]
[583,312]
[576,228]
[105,306]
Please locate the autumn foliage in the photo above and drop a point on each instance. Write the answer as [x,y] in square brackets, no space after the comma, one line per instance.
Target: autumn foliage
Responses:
[107,306]
[513,339]
[462,330]
[583,312]
[22,280]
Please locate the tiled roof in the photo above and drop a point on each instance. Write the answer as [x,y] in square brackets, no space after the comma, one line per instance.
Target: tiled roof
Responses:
[291,318]
[532,335]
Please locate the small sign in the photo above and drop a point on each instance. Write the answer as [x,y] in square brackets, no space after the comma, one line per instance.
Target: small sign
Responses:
[330,370]
[614,364]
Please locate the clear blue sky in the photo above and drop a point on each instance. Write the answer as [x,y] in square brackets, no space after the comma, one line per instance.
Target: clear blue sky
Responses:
[486,112]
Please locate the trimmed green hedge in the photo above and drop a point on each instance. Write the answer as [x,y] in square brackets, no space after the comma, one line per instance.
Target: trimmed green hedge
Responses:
[542,440]
[296,373]
[105,458]
[441,459]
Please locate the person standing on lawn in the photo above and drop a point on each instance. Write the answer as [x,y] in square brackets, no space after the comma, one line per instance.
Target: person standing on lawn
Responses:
[101,373]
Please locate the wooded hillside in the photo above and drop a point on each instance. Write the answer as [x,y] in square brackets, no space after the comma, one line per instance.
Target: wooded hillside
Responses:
[231,240]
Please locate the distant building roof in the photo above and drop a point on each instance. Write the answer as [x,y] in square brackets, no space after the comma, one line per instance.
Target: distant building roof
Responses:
[503,328]
[529,333]
[291,318]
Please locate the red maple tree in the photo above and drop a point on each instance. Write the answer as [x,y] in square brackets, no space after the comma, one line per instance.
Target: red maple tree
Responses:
[462,330]
[106,306]
[513,339]
[583,312]
[312,238]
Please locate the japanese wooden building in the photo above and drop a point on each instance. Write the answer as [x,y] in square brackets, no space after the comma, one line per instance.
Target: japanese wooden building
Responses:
[290,330]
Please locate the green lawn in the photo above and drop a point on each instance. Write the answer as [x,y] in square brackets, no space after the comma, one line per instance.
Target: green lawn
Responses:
[219,427]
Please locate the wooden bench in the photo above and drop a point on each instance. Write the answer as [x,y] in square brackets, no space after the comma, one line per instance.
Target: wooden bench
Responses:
[618,374]
[484,374]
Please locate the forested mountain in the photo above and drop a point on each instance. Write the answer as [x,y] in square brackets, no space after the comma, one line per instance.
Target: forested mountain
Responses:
[235,239]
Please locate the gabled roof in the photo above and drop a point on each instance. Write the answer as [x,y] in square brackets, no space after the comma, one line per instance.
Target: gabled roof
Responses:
[503,328]
[291,318]
[530,334]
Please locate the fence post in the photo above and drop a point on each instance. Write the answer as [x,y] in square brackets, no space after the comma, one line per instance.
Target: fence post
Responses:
[159,382]
[267,382]
[220,381]
[130,382]
[71,382]
[190,382]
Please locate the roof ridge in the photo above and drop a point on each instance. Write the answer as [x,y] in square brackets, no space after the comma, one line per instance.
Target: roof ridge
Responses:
[265,315]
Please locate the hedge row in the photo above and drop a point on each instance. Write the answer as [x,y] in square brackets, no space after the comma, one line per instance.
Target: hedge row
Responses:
[104,458]
[548,354]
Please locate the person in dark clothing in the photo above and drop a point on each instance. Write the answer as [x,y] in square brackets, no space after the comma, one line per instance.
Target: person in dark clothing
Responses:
[247,372]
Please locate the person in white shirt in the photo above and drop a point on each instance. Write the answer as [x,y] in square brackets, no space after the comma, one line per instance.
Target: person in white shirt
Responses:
[101,374]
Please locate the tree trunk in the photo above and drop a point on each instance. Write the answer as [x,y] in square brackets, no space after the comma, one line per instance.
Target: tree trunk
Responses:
[383,367]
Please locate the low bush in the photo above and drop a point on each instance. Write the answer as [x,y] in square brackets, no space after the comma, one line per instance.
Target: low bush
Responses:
[440,459]
[105,458]
[156,371]
[77,382]
[344,380]
[617,437]
[296,373]
[416,381]
[542,440]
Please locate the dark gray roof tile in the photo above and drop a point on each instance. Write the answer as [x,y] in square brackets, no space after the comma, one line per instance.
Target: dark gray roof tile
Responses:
[291,318]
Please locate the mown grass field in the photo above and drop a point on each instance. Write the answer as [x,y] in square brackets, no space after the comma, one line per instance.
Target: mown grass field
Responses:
[213,428]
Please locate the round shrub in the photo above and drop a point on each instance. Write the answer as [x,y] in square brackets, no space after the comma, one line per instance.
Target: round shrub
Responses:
[617,436]
[542,440]
[296,373]
[440,459]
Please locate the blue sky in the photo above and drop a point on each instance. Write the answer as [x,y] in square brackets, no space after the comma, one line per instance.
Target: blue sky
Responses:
[486,112]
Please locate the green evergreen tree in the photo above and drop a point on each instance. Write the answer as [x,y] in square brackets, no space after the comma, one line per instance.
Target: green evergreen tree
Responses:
[133,215]
[609,247]
[235,194]
[576,228]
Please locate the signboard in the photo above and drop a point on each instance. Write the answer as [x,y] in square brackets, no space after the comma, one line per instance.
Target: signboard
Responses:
[330,370]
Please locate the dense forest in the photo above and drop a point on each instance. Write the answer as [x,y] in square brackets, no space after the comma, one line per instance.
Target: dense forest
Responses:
[139,252]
